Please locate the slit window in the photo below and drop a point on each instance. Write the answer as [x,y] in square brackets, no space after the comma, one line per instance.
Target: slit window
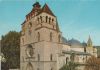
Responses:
[38,57]
[38,36]
[51,57]
[46,18]
[51,36]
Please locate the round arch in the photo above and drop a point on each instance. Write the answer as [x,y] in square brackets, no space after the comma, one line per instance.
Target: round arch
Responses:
[29,66]
[29,51]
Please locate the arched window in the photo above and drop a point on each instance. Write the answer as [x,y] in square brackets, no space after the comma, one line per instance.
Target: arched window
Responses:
[66,60]
[41,18]
[51,36]
[52,20]
[29,66]
[46,19]
[29,51]
[30,26]
[51,57]
[38,36]
[49,20]
[38,69]
[38,19]
[84,49]
[59,38]
[38,57]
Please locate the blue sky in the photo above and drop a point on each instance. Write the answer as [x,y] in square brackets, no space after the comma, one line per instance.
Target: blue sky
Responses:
[77,18]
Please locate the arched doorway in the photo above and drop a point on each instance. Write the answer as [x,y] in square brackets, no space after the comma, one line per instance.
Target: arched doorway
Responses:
[29,66]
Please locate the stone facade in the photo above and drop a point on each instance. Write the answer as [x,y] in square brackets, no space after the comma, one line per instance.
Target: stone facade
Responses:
[40,40]
[41,46]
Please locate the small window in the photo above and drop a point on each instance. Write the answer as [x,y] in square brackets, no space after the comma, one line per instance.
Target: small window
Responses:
[38,69]
[51,68]
[30,26]
[38,19]
[84,49]
[46,19]
[51,57]
[52,20]
[49,20]
[38,57]
[51,36]
[41,18]
[59,38]
[66,60]
[38,36]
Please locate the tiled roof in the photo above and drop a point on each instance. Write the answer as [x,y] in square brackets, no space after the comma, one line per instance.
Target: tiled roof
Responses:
[76,52]
[46,9]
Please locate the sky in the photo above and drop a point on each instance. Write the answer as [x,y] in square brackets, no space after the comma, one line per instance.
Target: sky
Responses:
[76,18]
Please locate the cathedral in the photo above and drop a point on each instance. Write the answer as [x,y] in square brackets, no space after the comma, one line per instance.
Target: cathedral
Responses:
[41,46]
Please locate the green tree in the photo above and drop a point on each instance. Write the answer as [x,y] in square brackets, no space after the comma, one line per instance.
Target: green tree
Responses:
[69,66]
[10,47]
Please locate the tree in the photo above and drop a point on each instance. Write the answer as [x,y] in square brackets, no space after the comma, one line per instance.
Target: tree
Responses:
[69,66]
[10,47]
[92,63]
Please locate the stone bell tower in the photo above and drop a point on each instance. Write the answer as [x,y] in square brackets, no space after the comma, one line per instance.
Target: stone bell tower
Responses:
[40,40]
[90,48]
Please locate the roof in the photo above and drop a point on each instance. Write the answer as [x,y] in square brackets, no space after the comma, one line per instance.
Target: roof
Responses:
[74,43]
[46,9]
[37,7]
[89,42]
[75,52]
